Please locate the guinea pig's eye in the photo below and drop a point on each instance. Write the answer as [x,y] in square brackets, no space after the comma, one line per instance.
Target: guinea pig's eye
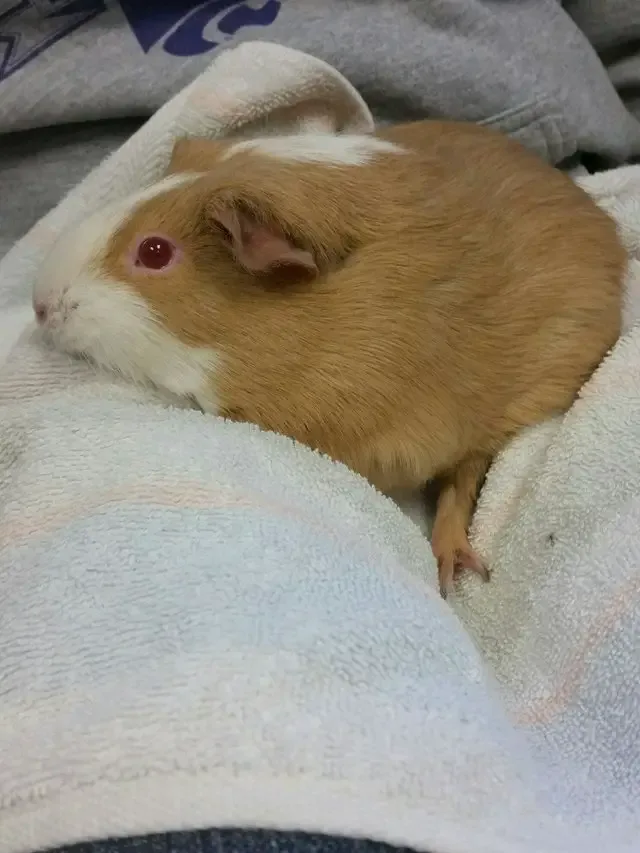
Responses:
[154,253]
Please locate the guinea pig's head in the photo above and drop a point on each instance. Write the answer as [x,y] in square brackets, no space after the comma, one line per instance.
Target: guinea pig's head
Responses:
[154,286]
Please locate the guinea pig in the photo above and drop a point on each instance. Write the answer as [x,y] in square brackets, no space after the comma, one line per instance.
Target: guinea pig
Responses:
[404,302]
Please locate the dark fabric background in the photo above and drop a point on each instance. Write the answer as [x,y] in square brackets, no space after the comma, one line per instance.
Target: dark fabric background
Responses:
[233,841]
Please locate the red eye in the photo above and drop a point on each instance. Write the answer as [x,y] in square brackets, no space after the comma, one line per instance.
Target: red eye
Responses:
[155,253]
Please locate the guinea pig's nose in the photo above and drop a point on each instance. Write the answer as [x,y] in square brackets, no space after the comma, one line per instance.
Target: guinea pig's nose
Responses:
[40,310]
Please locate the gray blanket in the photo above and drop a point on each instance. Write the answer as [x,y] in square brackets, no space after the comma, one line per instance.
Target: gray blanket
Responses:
[563,79]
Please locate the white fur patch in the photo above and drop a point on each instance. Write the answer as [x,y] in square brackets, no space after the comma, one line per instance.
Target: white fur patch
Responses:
[93,315]
[329,148]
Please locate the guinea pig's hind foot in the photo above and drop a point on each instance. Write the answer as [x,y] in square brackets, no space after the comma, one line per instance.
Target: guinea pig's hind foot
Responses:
[453,558]
[449,540]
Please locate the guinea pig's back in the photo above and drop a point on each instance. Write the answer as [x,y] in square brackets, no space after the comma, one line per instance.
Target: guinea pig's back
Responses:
[498,178]
[541,265]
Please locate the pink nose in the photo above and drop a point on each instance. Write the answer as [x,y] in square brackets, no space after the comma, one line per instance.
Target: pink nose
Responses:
[40,310]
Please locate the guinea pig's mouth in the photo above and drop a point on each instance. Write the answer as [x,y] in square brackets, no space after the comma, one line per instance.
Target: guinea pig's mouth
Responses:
[51,316]
[57,324]
[67,331]
[82,320]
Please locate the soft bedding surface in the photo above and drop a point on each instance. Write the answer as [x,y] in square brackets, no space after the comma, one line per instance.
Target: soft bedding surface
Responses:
[205,625]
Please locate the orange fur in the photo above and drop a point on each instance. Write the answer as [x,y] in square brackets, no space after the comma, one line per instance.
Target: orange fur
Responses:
[465,290]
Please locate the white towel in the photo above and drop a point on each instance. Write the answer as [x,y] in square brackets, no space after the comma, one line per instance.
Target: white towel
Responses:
[205,625]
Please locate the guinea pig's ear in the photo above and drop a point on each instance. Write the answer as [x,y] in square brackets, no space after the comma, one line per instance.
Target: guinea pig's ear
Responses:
[258,246]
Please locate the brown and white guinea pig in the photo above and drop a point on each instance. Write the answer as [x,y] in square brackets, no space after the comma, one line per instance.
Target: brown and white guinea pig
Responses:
[404,302]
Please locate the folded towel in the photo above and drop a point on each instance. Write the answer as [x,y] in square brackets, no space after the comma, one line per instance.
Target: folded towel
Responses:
[206,625]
